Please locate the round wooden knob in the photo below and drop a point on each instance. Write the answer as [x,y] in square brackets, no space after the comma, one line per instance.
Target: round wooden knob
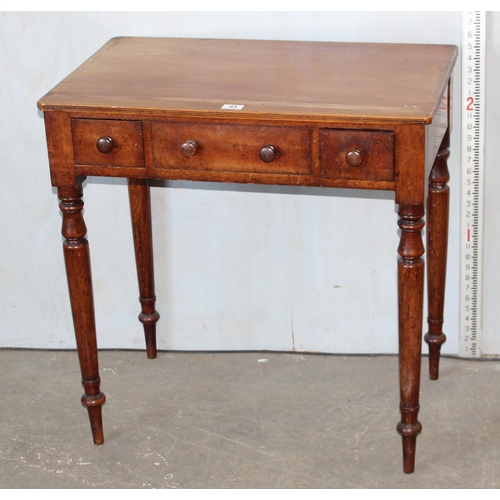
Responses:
[355,158]
[268,153]
[105,144]
[189,149]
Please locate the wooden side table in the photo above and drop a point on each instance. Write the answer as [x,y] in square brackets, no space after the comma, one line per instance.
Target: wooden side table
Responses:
[339,115]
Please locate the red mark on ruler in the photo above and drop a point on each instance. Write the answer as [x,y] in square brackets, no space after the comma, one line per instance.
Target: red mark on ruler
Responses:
[468,234]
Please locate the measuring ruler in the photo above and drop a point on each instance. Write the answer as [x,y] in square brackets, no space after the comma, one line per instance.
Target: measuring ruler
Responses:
[472,182]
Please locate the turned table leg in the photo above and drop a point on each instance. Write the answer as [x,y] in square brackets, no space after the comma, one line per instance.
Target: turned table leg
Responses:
[77,258]
[140,210]
[410,292]
[437,246]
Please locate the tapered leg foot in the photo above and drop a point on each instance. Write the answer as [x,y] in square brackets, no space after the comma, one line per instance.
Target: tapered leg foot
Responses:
[435,341]
[94,406]
[409,428]
[140,210]
[438,203]
[149,320]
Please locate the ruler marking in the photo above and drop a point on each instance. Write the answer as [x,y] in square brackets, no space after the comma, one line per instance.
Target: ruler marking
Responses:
[472,159]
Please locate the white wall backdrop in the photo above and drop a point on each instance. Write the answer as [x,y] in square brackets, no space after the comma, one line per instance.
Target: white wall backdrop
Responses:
[237,267]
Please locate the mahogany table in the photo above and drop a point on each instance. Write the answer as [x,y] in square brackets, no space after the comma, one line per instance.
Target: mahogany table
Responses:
[338,115]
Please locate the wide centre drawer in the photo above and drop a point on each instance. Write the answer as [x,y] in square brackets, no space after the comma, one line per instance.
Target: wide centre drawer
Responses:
[231,148]
[108,142]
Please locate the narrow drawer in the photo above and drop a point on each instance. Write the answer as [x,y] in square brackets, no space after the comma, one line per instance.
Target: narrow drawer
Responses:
[108,142]
[357,154]
[231,148]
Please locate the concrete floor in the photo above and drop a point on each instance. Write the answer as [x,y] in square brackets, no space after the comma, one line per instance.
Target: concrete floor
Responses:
[243,420]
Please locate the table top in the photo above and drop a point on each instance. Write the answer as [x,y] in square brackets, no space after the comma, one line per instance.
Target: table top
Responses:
[297,80]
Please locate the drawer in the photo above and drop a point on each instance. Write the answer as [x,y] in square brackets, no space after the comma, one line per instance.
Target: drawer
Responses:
[108,142]
[231,148]
[357,154]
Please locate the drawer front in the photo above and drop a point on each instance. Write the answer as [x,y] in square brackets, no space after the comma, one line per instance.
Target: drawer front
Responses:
[357,154]
[231,148]
[108,142]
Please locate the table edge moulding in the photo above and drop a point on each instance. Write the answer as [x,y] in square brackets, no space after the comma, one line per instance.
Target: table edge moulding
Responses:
[338,115]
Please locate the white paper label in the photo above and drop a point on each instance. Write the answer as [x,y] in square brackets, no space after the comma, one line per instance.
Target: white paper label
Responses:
[235,107]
